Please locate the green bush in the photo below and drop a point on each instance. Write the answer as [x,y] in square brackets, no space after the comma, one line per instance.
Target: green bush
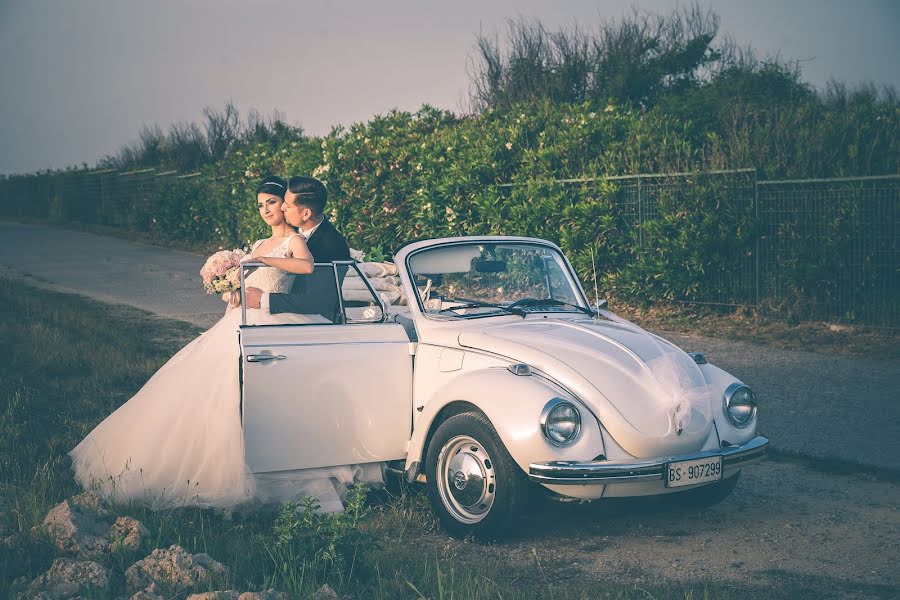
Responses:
[308,545]
[405,176]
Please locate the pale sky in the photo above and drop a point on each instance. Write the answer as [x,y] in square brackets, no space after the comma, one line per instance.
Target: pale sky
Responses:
[80,78]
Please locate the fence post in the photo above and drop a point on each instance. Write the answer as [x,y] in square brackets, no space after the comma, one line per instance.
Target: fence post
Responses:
[757,236]
[640,216]
[103,212]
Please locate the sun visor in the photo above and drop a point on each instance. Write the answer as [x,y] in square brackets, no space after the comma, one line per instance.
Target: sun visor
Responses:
[452,259]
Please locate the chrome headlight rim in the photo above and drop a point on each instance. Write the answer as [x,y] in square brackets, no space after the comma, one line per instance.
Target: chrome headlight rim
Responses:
[730,391]
[552,405]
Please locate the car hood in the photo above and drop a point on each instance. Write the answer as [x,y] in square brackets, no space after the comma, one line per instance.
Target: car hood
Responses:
[649,395]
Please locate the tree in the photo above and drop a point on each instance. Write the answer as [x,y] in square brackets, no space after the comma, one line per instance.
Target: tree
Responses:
[636,60]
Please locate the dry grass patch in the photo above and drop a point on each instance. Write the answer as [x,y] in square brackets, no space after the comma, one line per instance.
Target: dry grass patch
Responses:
[749,326]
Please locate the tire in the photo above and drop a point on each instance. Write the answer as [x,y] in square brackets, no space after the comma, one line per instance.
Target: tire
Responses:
[707,495]
[474,486]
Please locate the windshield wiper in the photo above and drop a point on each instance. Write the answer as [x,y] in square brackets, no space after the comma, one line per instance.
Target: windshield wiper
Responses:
[529,302]
[479,304]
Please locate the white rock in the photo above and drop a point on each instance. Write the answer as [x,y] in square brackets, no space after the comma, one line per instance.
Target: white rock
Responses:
[226,595]
[174,567]
[267,595]
[68,578]
[145,595]
[326,593]
[127,533]
[151,592]
[75,526]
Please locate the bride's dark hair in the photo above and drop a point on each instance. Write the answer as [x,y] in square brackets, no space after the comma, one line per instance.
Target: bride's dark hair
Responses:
[273,184]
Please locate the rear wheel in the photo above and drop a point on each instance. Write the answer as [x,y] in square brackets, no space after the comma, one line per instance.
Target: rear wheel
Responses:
[474,486]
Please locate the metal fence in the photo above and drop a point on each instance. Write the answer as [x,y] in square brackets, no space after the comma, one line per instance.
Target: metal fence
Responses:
[102,197]
[733,278]
[829,249]
[805,249]
[810,249]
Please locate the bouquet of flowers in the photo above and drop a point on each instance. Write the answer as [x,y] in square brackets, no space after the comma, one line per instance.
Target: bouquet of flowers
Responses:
[221,273]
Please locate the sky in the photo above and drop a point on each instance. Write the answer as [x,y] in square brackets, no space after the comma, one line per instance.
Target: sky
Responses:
[81,78]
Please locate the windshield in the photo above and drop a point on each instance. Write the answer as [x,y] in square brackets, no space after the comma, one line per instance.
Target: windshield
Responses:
[477,279]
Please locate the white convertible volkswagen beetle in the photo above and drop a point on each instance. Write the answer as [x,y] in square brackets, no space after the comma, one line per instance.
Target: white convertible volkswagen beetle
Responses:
[479,363]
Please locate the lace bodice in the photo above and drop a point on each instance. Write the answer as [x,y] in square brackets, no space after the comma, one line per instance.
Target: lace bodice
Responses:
[270,279]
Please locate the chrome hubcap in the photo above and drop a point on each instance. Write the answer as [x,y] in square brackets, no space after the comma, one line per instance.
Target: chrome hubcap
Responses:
[466,479]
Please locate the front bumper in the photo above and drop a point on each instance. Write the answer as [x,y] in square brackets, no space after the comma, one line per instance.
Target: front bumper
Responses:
[641,470]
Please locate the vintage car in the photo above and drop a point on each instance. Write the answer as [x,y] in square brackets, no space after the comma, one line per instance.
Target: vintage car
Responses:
[478,363]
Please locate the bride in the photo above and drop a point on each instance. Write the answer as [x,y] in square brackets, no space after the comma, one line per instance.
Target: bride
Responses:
[179,441]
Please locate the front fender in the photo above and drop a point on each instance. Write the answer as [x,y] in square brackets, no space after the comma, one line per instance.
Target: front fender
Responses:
[513,404]
[718,380]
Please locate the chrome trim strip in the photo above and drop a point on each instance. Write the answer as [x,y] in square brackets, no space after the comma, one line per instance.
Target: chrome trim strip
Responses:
[340,294]
[243,299]
[381,305]
[640,470]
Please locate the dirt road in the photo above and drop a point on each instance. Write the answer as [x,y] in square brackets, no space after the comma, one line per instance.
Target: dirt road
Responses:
[159,280]
[787,527]
[817,405]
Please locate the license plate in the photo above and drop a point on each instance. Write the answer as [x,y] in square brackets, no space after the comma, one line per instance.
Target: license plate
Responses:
[690,472]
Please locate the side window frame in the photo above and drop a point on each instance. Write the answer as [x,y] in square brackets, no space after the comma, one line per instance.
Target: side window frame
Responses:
[375,295]
[338,281]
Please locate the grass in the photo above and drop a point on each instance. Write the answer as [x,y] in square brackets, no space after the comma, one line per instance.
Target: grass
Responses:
[750,326]
[69,361]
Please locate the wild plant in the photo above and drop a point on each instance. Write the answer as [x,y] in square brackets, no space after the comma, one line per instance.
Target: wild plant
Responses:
[307,546]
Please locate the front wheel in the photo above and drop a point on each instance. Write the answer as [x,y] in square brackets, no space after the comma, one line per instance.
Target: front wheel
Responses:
[474,486]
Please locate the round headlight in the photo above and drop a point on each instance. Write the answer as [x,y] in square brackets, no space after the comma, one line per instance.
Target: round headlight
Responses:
[560,422]
[740,404]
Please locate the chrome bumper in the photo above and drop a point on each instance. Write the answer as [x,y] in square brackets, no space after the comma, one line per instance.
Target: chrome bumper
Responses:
[641,470]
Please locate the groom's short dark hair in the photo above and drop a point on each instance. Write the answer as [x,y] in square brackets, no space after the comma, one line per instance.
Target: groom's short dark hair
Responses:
[312,192]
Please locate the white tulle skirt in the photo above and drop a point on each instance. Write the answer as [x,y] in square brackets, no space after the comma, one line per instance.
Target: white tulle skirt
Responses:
[179,440]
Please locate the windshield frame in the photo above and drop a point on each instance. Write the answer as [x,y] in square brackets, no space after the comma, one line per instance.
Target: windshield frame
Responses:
[510,241]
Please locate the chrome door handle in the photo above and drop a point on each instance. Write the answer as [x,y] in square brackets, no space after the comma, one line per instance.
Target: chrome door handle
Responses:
[265,357]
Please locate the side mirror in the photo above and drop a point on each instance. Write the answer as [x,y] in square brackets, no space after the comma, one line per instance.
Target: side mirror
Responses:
[601,304]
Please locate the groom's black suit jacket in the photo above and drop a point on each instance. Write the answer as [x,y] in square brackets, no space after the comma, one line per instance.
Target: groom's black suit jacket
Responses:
[315,293]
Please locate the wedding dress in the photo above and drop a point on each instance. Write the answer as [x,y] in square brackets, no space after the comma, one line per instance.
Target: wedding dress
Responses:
[179,440]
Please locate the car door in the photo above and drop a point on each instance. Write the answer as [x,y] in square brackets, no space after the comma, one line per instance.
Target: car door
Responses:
[320,394]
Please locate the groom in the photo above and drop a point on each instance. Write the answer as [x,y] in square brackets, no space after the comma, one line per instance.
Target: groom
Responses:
[304,208]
